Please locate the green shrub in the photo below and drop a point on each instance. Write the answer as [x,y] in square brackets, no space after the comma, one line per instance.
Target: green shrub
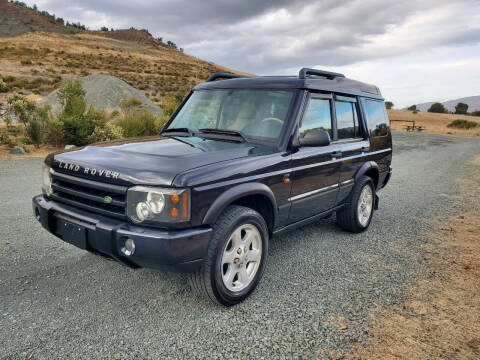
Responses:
[463,124]
[130,105]
[78,123]
[31,115]
[139,123]
[7,140]
[3,86]
[54,132]
[109,131]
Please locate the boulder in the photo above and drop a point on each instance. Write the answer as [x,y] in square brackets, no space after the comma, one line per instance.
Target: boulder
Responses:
[17,150]
[105,92]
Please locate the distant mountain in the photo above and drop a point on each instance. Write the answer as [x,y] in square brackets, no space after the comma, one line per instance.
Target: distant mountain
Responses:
[473,103]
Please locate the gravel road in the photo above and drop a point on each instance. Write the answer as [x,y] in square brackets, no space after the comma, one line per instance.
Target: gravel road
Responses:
[60,302]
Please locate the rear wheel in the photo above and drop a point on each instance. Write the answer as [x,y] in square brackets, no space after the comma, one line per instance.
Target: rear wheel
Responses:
[358,211]
[236,257]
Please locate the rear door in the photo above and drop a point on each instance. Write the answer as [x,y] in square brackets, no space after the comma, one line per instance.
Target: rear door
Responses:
[315,170]
[352,141]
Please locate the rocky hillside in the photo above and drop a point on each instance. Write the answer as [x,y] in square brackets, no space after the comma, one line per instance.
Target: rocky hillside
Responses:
[37,53]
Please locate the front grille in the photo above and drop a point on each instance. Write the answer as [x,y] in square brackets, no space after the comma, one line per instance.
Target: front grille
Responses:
[89,195]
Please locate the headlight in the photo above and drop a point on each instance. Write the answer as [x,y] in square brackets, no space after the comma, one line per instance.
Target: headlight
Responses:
[47,180]
[158,204]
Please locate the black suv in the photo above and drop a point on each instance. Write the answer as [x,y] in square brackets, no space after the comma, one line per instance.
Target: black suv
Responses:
[242,159]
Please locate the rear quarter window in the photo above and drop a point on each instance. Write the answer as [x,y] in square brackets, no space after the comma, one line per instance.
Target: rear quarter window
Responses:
[377,119]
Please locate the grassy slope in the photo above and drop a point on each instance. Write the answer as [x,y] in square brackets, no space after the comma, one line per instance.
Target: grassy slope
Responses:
[39,61]
[433,123]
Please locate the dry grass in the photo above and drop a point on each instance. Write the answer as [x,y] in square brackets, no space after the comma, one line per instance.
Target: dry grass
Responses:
[433,123]
[157,71]
[441,319]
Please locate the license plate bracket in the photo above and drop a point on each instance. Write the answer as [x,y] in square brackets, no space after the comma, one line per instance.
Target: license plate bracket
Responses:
[72,233]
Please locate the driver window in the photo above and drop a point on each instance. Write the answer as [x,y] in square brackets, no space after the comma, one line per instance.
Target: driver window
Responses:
[317,116]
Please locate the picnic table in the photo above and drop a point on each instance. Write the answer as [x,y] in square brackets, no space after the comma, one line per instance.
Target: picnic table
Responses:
[414,128]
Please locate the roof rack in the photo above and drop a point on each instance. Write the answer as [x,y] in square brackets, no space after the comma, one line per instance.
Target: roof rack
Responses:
[216,76]
[304,72]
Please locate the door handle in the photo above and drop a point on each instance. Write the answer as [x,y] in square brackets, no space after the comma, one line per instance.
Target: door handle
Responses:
[365,148]
[336,154]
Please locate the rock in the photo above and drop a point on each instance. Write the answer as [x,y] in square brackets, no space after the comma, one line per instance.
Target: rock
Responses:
[68,147]
[105,92]
[18,150]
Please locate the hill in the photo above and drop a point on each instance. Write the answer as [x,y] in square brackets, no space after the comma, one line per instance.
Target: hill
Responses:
[473,103]
[37,53]
[432,122]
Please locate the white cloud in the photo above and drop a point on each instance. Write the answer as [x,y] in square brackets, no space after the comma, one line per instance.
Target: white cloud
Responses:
[405,47]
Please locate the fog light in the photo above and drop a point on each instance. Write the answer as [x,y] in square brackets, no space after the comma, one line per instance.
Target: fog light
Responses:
[128,248]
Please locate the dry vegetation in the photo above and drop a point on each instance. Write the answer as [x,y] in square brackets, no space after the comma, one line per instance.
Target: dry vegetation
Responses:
[441,319]
[434,123]
[36,63]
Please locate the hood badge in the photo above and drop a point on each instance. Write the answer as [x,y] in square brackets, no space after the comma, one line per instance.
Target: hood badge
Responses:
[107,200]
[89,171]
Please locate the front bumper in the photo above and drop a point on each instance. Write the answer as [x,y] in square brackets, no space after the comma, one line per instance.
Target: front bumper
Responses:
[154,248]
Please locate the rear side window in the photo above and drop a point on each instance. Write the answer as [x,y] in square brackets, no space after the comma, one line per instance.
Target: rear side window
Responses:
[347,120]
[376,117]
[317,116]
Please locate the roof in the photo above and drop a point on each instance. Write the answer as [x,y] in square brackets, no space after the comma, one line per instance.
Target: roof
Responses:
[337,84]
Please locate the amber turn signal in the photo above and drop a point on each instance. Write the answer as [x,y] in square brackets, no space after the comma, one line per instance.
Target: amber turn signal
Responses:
[173,212]
[174,198]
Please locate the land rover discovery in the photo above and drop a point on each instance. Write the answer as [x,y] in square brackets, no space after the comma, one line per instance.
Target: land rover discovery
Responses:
[242,159]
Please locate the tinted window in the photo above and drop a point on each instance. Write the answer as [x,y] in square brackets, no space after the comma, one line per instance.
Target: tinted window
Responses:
[347,120]
[376,117]
[317,116]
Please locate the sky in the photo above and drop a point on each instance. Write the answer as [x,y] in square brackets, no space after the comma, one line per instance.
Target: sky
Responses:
[415,51]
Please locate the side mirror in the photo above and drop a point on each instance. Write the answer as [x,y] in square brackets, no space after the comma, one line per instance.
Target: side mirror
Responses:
[315,137]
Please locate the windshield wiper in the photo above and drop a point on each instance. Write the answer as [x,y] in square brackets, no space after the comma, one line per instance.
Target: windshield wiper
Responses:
[228,134]
[177,132]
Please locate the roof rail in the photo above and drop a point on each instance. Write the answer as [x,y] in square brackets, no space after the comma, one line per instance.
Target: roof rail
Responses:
[304,72]
[216,76]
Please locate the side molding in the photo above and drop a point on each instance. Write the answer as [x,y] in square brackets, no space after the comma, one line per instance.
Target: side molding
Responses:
[236,193]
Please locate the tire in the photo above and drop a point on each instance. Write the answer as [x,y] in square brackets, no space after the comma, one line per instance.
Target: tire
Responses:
[231,271]
[352,217]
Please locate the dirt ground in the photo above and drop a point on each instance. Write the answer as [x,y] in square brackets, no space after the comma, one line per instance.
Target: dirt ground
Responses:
[432,122]
[441,319]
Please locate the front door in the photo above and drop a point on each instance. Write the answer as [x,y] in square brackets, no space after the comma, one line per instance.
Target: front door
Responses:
[315,170]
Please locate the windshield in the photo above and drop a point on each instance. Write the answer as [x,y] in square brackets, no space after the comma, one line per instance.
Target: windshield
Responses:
[257,114]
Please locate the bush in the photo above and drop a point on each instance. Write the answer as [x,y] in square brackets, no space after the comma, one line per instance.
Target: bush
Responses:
[78,123]
[3,86]
[412,108]
[32,116]
[108,132]
[463,124]
[139,123]
[388,105]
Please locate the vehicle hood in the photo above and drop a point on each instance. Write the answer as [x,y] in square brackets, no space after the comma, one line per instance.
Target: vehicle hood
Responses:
[148,161]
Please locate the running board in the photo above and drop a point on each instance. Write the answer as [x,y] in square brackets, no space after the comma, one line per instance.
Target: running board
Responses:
[309,220]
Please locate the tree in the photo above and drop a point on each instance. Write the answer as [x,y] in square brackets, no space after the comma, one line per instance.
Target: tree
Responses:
[461,108]
[388,104]
[476,113]
[104,28]
[33,117]
[437,108]
[412,108]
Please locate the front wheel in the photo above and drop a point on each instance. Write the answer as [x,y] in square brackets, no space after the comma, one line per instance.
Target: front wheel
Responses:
[236,257]
[358,211]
